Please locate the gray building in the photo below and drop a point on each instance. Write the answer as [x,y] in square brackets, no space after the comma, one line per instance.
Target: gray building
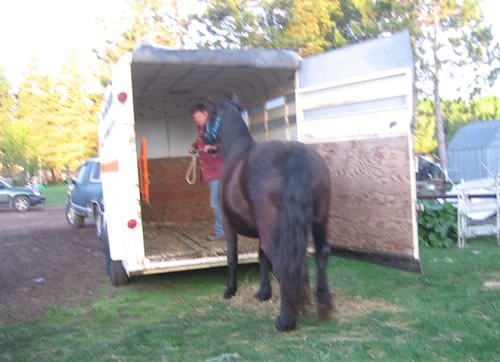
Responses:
[474,152]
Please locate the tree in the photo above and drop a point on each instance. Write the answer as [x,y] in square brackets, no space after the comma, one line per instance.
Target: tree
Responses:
[366,19]
[17,146]
[302,25]
[424,139]
[35,102]
[307,26]
[456,38]
[146,20]
[61,114]
[241,24]
[7,99]
[486,108]
[53,122]
[73,131]
[456,114]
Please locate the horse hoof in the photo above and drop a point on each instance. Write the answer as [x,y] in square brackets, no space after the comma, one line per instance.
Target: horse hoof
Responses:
[263,296]
[228,294]
[284,326]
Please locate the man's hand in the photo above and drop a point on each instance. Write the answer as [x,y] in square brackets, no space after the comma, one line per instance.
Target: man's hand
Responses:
[210,149]
[192,150]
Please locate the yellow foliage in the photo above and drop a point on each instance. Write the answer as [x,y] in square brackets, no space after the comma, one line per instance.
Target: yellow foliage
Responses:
[309,24]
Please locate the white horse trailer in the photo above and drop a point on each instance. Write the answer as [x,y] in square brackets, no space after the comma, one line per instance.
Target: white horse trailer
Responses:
[354,105]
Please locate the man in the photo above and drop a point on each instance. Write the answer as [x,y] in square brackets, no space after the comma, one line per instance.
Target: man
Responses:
[210,165]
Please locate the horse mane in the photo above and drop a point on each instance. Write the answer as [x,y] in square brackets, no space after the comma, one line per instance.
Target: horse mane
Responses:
[233,127]
[233,112]
[236,102]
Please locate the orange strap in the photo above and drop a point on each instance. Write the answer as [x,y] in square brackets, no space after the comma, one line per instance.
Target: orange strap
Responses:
[143,171]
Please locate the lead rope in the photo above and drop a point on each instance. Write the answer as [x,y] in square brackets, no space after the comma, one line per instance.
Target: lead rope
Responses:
[191,171]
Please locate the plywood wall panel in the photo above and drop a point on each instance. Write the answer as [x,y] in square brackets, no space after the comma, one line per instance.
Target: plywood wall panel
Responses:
[172,198]
[371,194]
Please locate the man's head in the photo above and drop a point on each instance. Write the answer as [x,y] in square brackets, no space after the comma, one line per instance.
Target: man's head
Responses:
[200,114]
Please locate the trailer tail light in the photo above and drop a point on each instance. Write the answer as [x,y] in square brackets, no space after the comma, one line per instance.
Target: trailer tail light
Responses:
[132,224]
[122,97]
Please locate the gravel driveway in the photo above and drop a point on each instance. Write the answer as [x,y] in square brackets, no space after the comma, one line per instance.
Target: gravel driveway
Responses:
[43,261]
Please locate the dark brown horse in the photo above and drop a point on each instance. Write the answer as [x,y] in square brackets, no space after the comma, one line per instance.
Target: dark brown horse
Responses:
[278,192]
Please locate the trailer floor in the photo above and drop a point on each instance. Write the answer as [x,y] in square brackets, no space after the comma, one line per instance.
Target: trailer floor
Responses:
[174,241]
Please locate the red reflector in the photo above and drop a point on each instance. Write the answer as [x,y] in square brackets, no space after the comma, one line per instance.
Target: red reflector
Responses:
[132,223]
[122,97]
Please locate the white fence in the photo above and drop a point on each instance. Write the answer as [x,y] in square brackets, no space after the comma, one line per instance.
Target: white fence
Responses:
[478,216]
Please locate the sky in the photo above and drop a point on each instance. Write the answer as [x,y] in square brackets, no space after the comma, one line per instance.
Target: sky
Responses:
[48,29]
[51,29]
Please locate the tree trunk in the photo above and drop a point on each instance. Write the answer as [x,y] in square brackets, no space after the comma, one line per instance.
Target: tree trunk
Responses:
[440,137]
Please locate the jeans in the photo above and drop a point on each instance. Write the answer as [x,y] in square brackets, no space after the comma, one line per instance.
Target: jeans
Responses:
[214,203]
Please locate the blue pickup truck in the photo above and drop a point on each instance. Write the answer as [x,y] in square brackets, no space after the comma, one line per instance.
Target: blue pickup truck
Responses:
[85,196]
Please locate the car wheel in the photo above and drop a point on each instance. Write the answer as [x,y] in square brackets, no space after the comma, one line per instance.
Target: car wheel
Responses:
[116,272]
[72,218]
[98,221]
[21,203]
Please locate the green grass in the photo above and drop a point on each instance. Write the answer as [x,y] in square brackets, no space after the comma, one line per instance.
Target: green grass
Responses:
[55,194]
[445,313]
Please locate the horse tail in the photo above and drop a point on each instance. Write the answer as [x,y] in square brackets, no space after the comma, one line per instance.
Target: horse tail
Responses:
[296,216]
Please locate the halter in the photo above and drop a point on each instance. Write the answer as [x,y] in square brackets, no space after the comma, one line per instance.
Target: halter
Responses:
[210,135]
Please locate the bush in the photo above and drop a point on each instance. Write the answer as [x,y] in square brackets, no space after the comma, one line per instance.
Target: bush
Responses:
[437,224]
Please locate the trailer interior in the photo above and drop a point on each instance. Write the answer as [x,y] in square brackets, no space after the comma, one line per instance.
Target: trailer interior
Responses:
[166,83]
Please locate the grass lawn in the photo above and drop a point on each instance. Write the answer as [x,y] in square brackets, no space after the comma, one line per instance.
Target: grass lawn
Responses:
[446,313]
[55,194]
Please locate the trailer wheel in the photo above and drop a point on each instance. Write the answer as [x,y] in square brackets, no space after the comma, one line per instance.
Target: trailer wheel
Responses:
[72,218]
[115,269]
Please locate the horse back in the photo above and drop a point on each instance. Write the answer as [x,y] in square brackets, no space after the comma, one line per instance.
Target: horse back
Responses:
[252,182]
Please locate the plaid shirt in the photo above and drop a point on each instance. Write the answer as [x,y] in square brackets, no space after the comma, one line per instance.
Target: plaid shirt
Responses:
[210,163]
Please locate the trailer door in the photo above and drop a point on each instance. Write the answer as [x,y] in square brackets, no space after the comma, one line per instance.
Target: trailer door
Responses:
[355,106]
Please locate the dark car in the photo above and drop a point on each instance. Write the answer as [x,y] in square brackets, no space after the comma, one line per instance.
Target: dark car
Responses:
[429,170]
[19,198]
[85,196]
[431,178]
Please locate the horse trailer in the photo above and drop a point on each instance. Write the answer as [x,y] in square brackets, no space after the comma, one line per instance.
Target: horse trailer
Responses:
[354,105]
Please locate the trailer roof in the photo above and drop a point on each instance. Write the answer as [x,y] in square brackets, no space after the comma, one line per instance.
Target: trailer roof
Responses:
[255,75]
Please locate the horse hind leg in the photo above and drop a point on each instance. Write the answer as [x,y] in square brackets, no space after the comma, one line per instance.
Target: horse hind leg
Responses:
[323,295]
[232,260]
[265,290]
